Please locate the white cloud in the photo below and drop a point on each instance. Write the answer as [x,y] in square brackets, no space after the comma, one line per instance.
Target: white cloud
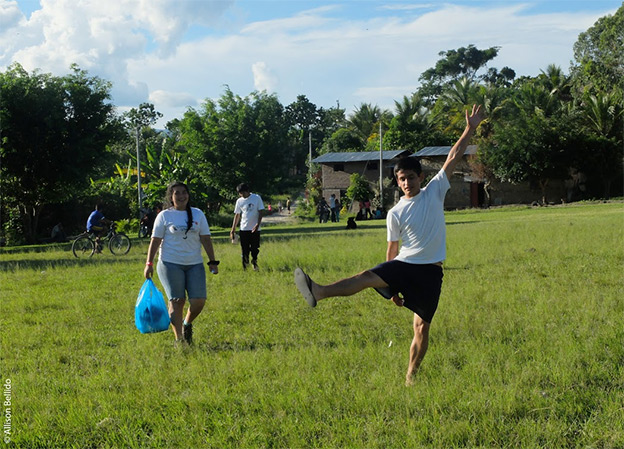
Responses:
[408,7]
[310,19]
[101,37]
[263,77]
[172,99]
[10,15]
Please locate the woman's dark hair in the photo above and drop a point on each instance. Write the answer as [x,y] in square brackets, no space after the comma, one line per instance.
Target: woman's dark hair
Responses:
[169,202]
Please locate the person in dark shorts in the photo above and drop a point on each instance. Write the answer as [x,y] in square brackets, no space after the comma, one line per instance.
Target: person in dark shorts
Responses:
[412,274]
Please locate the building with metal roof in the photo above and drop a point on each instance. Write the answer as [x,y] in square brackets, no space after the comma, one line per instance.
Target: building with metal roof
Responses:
[466,190]
[443,151]
[360,156]
[337,168]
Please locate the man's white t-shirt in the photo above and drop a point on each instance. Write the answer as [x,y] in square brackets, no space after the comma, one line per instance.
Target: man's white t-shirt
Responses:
[178,246]
[419,224]
[249,208]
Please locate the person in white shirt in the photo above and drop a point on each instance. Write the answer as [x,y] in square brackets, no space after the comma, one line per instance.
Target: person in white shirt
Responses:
[180,232]
[248,213]
[412,275]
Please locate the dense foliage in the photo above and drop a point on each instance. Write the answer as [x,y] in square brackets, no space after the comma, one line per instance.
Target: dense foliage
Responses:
[55,136]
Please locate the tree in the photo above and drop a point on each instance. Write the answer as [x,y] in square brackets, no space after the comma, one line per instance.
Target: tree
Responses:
[365,120]
[597,77]
[603,151]
[55,133]
[465,62]
[502,78]
[359,189]
[331,122]
[234,140]
[343,140]
[413,126]
[302,113]
[303,118]
[556,82]
[460,92]
[532,140]
[599,56]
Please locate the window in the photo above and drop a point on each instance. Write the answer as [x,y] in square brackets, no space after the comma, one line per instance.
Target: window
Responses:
[338,167]
[372,166]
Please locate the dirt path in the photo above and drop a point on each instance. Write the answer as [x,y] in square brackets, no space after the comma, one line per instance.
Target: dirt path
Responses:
[282,217]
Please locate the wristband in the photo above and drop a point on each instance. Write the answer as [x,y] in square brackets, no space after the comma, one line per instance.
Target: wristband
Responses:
[149,264]
[214,262]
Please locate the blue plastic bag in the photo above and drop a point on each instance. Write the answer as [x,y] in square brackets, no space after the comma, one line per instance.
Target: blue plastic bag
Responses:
[150,312]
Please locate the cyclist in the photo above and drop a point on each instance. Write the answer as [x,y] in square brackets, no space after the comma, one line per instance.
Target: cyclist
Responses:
[98,225]
[147,221]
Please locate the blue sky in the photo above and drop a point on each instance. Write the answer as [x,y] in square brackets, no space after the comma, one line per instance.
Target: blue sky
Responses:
[177,53]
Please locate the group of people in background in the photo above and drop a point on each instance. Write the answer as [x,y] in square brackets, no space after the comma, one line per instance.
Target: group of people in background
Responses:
[329,210]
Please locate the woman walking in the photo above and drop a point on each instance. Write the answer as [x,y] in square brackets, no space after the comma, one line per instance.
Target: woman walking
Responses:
[180,231]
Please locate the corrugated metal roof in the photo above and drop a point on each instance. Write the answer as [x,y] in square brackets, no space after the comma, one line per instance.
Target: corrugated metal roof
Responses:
[442,151]
[362,156]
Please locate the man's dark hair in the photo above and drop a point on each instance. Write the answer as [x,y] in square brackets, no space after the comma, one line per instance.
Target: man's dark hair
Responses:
[242,188]
[408,163]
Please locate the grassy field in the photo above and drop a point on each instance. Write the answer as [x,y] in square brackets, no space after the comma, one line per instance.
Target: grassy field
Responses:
[526,350]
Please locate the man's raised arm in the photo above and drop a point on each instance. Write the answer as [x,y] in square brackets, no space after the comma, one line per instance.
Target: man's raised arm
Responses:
[457,152]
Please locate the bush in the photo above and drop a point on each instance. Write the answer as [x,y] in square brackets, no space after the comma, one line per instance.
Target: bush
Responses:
[13,230]
[128,226]
[305,210]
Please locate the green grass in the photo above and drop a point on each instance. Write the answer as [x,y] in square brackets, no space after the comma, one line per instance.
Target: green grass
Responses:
[526,350]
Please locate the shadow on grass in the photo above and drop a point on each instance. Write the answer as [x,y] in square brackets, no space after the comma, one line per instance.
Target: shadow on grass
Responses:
[250,346]
[41,264]
[456,223]
[286,232]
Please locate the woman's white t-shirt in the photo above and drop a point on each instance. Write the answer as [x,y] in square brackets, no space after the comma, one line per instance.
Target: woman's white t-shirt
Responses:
[419,223]
[178,246]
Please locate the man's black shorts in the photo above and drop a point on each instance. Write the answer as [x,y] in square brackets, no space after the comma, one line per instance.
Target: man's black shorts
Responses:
[420,285]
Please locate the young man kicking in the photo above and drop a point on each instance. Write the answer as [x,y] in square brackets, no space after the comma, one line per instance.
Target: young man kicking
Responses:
[412,274]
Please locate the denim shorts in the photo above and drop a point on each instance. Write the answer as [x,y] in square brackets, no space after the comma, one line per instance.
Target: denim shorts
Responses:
[420,285]
[178,280]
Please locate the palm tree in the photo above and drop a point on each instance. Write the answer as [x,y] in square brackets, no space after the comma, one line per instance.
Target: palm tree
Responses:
[409,106]
[556,82]
[365,119]
[605,117]
[462,92]
[604,112]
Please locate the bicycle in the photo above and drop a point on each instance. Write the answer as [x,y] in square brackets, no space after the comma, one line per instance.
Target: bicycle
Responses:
[144,231]
[85,244]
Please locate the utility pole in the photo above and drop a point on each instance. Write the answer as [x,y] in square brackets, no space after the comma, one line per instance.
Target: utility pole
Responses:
[380,167]
[138,171]
[310,147]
